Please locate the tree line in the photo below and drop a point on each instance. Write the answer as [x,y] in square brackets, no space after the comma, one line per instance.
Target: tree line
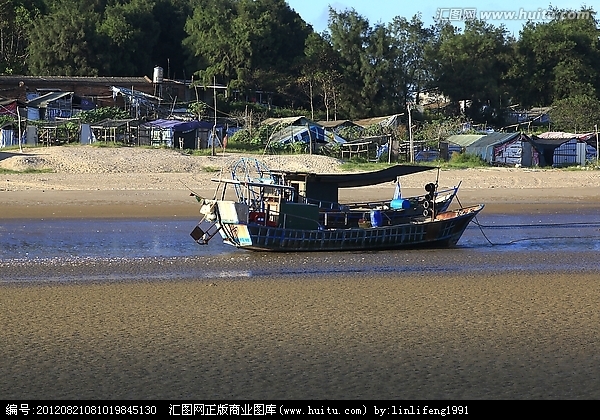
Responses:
[354,69]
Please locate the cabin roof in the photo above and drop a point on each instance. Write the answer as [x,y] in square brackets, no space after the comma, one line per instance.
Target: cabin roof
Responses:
[361,179]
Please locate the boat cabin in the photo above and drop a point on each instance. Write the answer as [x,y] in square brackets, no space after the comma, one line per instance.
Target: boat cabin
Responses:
[324,188]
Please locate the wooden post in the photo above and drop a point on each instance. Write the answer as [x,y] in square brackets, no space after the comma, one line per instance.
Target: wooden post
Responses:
[597,151]
[215,126]
[410,136]
[19,122]
[310,142]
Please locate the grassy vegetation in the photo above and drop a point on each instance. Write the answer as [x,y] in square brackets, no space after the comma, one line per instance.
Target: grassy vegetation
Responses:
[13,149]
[108,144]
[462,161]
[210,169]
[458,161]
[26,171]
[589,166]
[232,147]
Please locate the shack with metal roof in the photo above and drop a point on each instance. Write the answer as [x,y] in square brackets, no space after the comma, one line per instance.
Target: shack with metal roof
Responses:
[564,149]
[501,149]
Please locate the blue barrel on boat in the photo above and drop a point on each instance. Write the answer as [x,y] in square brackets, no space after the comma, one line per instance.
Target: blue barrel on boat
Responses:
[376,218]
[400,203]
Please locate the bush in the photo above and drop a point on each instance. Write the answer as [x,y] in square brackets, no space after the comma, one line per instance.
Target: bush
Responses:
[466,160]
[99,114]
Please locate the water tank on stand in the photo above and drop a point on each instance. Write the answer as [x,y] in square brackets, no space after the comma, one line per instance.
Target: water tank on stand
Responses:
[157,76]
[157,79]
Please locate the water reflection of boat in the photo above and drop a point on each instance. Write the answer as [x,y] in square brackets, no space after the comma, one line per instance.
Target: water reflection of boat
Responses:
[292,211]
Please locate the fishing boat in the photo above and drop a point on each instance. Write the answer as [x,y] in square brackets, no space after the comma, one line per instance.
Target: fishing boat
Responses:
[296,211]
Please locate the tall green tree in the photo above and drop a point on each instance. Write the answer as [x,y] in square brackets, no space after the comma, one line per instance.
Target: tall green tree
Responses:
[382,66]
[15,18]
[557,60]
[94,38]
[349,34]
[411,72]
[472,66]
[214,48]
[129,33]
[320,74]
[64,42]
[378,73]
[576,114]
[168,51]
[247,44]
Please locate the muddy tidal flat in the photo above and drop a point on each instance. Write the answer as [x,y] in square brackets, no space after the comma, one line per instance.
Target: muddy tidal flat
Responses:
[402,335]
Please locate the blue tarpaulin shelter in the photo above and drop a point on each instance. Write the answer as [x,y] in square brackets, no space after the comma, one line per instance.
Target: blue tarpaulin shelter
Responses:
[293,134]
[181,126]
[175,133]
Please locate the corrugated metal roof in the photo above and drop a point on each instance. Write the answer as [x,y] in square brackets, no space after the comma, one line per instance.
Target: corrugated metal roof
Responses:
[464,140]
[563,135]
[498,137]
[126,92]
[44,100]
[387,121]
[300,120]
[556,138]
[336,123]
[481,147]
[293,133]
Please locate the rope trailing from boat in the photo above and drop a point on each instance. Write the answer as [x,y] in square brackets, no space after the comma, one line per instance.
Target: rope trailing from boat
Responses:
[573,225]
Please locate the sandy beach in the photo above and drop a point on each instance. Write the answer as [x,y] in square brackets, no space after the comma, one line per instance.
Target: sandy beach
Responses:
[131,182]
[399,336]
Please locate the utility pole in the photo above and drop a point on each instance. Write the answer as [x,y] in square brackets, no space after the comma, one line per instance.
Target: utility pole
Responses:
[21,134]
[214,126]
[597,151]
[410,135]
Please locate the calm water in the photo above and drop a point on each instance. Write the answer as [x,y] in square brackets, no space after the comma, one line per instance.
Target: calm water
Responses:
[116,249]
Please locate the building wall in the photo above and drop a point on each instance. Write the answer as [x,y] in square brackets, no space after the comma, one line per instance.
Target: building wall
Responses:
[516,152]
[568,154]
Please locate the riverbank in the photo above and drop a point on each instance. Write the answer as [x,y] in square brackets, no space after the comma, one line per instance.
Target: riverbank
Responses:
[131,182]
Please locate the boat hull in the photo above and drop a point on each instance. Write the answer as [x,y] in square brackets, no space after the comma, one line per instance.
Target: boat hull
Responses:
[442,232]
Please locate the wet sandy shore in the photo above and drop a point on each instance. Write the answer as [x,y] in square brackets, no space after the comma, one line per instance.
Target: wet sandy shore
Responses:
[178,203]
[468,336]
